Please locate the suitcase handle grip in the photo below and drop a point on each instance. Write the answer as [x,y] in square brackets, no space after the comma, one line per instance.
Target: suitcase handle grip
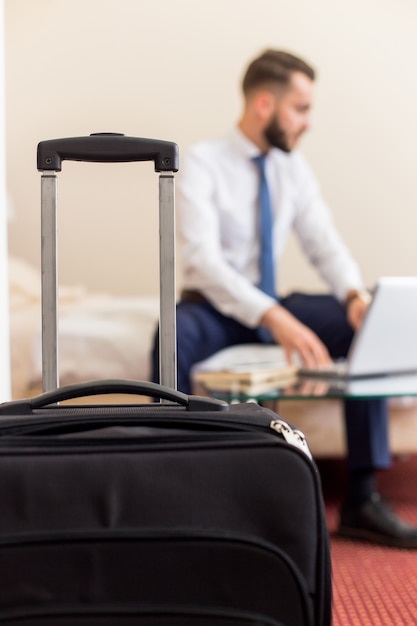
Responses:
[107,148]
[103,387]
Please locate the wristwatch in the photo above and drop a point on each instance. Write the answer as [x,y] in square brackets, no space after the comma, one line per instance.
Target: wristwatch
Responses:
[362,294]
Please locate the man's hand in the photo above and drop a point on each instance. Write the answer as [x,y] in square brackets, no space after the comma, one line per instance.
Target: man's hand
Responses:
[294,336]
[356,307]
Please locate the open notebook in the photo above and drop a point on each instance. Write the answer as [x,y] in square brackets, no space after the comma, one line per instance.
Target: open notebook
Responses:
[387,341]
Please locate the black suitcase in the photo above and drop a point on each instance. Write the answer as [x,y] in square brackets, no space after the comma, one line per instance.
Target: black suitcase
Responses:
[187,512]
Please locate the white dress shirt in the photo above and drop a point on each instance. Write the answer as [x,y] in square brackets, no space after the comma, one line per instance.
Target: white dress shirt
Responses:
[218,224]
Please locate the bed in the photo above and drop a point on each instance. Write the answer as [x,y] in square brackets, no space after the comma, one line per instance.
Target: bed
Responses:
[100,335]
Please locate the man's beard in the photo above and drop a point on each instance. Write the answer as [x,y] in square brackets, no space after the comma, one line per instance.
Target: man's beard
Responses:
[276,136]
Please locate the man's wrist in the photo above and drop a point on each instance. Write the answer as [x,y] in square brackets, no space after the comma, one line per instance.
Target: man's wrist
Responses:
[361,294]
[270,315]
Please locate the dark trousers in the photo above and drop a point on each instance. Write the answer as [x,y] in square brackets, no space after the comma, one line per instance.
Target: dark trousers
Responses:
[202,331]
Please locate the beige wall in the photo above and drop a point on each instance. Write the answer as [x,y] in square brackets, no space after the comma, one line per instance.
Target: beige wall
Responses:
[170,70]
[5,389]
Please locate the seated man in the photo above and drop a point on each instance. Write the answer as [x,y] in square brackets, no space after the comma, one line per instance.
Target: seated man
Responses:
[239,197]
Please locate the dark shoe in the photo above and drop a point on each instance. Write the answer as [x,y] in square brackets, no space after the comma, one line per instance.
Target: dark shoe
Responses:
[374,522]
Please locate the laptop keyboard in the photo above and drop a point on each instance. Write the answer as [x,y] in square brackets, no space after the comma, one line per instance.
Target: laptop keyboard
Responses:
[336,368]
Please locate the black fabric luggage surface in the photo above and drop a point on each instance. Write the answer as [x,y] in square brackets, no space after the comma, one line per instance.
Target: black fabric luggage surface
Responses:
[157,514]
[186,512]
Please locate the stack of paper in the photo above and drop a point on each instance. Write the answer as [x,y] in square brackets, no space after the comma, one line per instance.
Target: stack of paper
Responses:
[246,369]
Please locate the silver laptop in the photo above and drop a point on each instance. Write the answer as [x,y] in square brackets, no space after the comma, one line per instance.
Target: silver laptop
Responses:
[387,341]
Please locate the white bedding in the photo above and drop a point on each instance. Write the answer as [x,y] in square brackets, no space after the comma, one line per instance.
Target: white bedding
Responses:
[100,336]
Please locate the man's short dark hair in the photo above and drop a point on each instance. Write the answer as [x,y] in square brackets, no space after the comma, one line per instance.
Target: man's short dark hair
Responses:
[274,68]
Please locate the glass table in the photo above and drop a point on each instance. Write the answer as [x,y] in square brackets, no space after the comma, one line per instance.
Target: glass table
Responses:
[310,388]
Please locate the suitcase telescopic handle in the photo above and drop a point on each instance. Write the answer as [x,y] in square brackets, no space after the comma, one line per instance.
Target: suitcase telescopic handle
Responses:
[105,387]
[107,148]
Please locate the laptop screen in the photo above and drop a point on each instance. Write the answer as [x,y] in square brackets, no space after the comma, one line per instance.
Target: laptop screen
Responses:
[387,341]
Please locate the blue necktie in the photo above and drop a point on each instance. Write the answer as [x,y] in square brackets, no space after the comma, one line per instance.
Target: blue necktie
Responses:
[266,256]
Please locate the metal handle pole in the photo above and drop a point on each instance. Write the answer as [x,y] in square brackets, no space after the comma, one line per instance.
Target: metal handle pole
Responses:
[50,378]
[167,317]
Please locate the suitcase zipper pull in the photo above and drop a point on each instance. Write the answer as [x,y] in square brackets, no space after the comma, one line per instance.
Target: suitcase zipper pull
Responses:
[291,435]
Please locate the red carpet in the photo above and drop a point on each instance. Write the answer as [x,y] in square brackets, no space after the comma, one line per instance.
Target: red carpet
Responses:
[372,585]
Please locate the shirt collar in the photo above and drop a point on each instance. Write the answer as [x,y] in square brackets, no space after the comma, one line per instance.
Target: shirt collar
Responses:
[250,150]
[245,146]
